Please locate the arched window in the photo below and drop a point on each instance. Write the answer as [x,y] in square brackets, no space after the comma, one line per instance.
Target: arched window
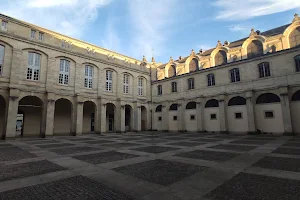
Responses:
[88,76]
[297,61]
[64,72]
[191,105]
[267,98]
[159,90]
[237,101]
[255,49]
[109,80]
[211,80]
[235,75]
[141,86]
[296,96]
[264,69]
[158,108]
[174,106]
[212,103]
[34,66]
[294,37]
[193,65]
[1,58]
[172,71]
[220,58]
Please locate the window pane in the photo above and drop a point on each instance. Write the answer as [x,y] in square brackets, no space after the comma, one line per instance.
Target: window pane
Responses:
[1,55]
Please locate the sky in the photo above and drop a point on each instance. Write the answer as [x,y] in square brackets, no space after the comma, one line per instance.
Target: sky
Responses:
[159,28]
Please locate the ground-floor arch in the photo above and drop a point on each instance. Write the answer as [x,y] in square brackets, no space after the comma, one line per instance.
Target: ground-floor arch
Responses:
[295,111]
[29,117]
[62,117]
[89,110]
[237,117]
[110,117]
[144,121]
[2,115]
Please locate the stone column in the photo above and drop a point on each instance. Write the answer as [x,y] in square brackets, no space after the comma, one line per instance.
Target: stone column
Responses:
[52,72]
[98,117]
[50,115]
[12,116]
[138,118]
[165,116]
[118,116]
[15,71]
[79,115]
[222,113]
[200,115]
[286,112]
[122,121]
[103,118]
[181,115]
[250,111]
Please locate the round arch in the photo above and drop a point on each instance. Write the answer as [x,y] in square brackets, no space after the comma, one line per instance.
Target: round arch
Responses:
[88,120]
[212,103]
[173,107]
[63,117]
[66,58]
[158,108]
[237,101]
[191,105]
[143,118]
[110,117]
[296,96]
[128,117]
[267,98]
[29,117]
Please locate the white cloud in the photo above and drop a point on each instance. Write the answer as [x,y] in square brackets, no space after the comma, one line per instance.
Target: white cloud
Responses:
[111,40]
[69,17]
[245,9]
[204,47]
[151,21]
[239,28]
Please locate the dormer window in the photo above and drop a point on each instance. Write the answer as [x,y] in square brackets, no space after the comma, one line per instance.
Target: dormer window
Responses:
[41,36]
[32,34]
[4,25]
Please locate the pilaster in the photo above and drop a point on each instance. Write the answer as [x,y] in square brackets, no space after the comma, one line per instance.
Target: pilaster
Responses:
[50,114]
[222,112]
[12,113]
[286,112]
[250,111]
[165,116]
[79,115]
[200,115]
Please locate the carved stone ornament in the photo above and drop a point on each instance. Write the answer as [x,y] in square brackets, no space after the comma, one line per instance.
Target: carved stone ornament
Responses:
[144,59]
[171,60]
[192,52]
[296,18]
[219,44]
[253,33]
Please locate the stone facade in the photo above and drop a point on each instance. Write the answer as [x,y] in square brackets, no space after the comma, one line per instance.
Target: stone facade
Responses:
[51,84]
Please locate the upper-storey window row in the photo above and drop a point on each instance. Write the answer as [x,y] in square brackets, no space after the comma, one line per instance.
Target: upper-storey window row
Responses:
[34,66]
[64,72]
[109,80]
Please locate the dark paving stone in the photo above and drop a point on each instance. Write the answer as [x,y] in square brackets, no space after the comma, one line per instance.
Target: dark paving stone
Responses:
[160,171]
[120,145]
[290,151]
[193,135]
[81,139]
[254,142]
[42,142]
[15,171]
[256,187]
[5,145]
[286,164]
[156,141]
[187,144]
[105,157]
[99,141]
[32,139]
[14,153]
[175,138]
[260,138]
[224,136]
[208,155]
[55,145]
[295,139]
[291,144]
[154,149]
[207,140]
[74,188]
[233,147]
[71,150]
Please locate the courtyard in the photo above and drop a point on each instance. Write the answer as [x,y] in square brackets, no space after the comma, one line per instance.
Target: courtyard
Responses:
[151,165]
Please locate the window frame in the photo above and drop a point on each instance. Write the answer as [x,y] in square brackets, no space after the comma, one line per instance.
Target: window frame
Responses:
[297,62]
[33,70]
[125,83]
[159,90]
[269,111]
[140,86]
[211,80]
[174,86]
[41,36]
[264,70]
[211,116]
[109,80]
[235,75]
[88,76]
[191,83]
[64,71]
[4,25]
[2,59]
[241,114]
[32,34]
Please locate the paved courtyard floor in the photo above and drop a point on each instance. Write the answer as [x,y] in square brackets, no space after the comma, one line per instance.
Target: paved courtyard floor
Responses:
[151,165]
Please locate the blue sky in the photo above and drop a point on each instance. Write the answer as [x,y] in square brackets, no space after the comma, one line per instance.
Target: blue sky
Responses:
[170,27]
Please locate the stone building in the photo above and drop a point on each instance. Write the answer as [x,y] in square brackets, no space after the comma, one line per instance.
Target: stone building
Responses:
[248,85]
[51,84]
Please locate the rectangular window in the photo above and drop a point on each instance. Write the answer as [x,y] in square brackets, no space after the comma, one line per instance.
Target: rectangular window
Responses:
[64,71]
[191,84]
[126,84]
[109,80]
[1,59]
[34,65]
[4,25]
[159,118]
[297,60]
[269,114]
[210,80]
[41,36]
[264,70]
[88,76]
[159,90]
[192,117]
[235,75]
[140,87]
[32,34]
[174,86]
[238,115]
[213,116]
[174,118]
